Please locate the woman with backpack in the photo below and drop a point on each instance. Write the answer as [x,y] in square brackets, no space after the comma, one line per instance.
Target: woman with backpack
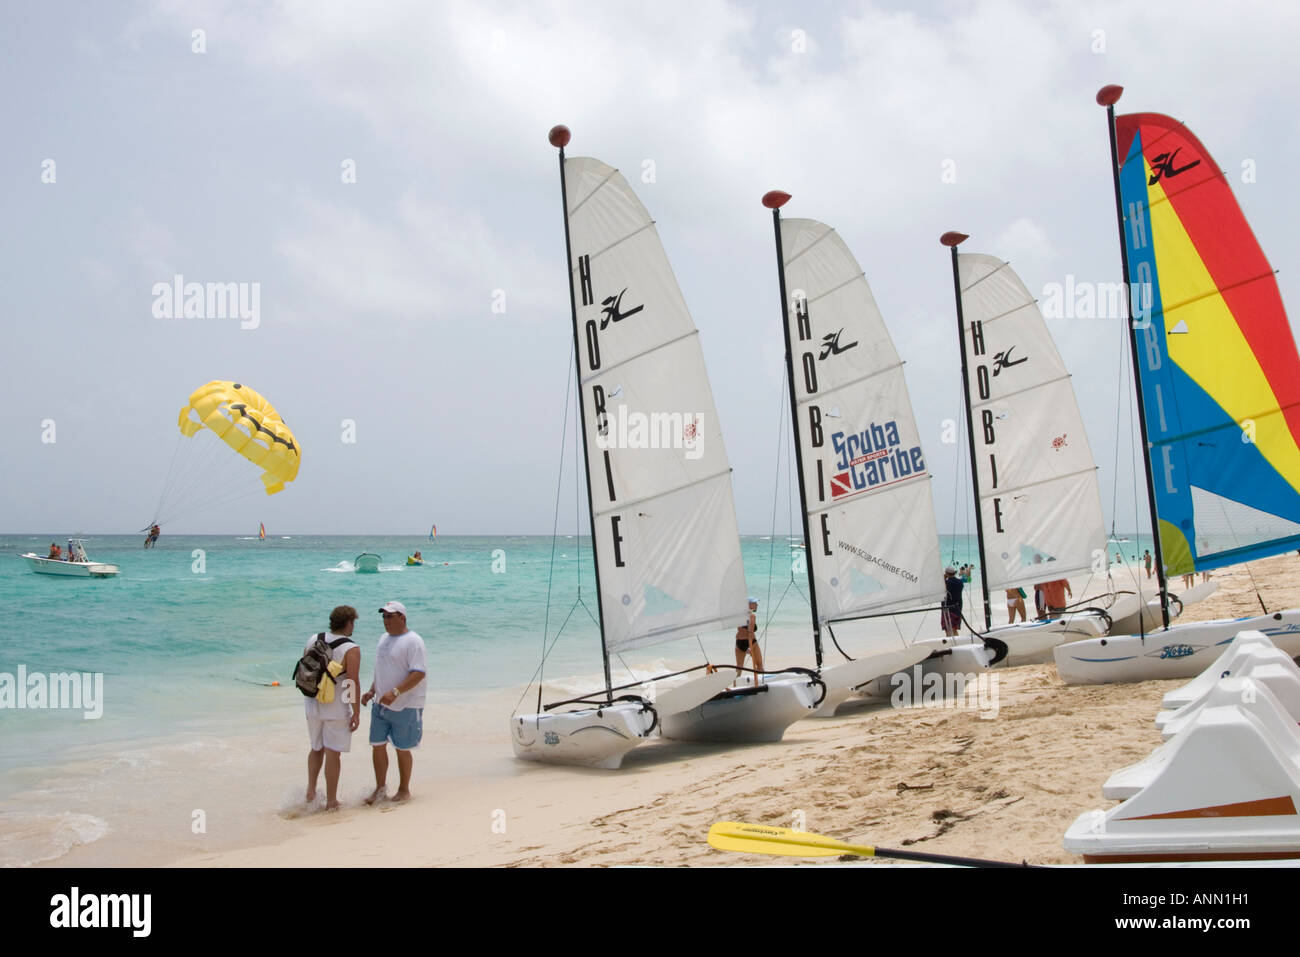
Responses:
[334,710]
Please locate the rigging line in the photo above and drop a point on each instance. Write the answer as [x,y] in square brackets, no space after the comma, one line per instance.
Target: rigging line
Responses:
[536,676]
[776,493]
[555,528]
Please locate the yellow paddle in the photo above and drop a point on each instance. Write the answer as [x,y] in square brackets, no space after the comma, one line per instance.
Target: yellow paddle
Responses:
[762,839]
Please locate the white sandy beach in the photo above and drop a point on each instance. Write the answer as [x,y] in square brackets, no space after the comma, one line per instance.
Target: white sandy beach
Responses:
[940,779]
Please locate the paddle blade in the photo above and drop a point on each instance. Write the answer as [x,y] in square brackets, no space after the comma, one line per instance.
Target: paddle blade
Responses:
[761,839]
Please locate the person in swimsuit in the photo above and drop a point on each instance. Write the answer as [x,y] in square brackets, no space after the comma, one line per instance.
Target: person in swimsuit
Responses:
[1015,603]
[747,640]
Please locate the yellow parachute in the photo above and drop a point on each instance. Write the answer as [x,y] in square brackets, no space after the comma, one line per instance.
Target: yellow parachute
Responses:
[246,422]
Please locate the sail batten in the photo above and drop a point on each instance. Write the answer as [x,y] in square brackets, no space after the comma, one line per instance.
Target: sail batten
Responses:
[1218,362]
[663,513]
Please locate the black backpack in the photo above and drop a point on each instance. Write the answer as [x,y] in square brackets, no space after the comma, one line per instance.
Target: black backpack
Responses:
[312,666]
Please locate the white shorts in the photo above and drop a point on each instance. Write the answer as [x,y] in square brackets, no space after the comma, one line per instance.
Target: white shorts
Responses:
[334,734]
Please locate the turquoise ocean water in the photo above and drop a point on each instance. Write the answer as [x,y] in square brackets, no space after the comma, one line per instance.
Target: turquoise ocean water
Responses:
[190,635]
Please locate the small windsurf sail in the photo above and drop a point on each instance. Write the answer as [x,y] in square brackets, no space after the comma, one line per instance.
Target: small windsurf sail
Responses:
[1218,362]
[433,532]
[261,531]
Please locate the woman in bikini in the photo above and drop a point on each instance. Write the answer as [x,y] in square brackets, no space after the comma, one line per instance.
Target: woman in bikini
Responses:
[747,640]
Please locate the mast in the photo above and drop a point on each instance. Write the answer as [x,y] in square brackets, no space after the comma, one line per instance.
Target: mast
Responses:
[952,240]
[559,137]
[774,200]
[1108,96]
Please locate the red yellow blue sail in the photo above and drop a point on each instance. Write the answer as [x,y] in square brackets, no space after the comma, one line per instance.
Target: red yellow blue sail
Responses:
[261,531]
[1218,362]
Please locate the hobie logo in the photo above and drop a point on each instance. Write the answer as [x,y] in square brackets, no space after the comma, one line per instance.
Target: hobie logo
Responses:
[1163,165]
[1177,651]
[831,345]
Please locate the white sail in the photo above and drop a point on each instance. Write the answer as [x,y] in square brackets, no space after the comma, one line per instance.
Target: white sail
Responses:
[667,545]
[1039,502]
[872,539]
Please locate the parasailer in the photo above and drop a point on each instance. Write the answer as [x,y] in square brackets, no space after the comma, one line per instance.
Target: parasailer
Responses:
[207,474]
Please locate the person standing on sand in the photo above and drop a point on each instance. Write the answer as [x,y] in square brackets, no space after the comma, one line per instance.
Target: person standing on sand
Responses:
[1146,558]
[330,726]
[950,617]
[1054,593]
[1015,603]
[747,641]
[398,712]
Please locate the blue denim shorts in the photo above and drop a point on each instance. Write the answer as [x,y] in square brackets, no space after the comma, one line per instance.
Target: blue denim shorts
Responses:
[404,728]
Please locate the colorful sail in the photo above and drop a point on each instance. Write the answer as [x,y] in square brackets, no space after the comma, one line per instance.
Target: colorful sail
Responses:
[433,532]
[1219,368]
[261,531]
[667,544]
[1040,506]
[873,543]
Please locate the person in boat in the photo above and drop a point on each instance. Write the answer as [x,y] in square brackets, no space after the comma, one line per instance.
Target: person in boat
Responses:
[950,617]
[1015,603]
[747,640]
[55,553]
[419,557]
[330,726]
[72,552]
[1054,593]
[398,712]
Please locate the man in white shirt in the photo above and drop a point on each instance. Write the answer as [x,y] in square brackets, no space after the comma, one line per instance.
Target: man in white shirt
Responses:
[330,726]
[398,689]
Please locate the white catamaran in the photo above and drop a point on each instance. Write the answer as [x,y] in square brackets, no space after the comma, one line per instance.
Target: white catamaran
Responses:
[868,515]
[1037,503]
[663,520]
[1218,384]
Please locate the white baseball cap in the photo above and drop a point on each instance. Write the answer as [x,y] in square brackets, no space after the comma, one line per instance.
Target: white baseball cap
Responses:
[395,606]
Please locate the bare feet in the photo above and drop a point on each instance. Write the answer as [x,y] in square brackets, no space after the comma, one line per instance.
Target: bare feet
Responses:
[333,806]
[402,795]
[377,794]
[311,796]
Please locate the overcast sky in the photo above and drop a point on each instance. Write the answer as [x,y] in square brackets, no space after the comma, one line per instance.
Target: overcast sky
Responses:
[892,122]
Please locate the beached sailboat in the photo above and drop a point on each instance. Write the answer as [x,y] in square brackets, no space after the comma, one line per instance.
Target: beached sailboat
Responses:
[1218,386]
[663,520]
[1037,503]
[872,547]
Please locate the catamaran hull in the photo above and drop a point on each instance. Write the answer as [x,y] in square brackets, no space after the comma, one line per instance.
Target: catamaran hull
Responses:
[965,657]
[50,566]
[843,681]
[747,715]
[1184,651]
[1032,642]
[594,738]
